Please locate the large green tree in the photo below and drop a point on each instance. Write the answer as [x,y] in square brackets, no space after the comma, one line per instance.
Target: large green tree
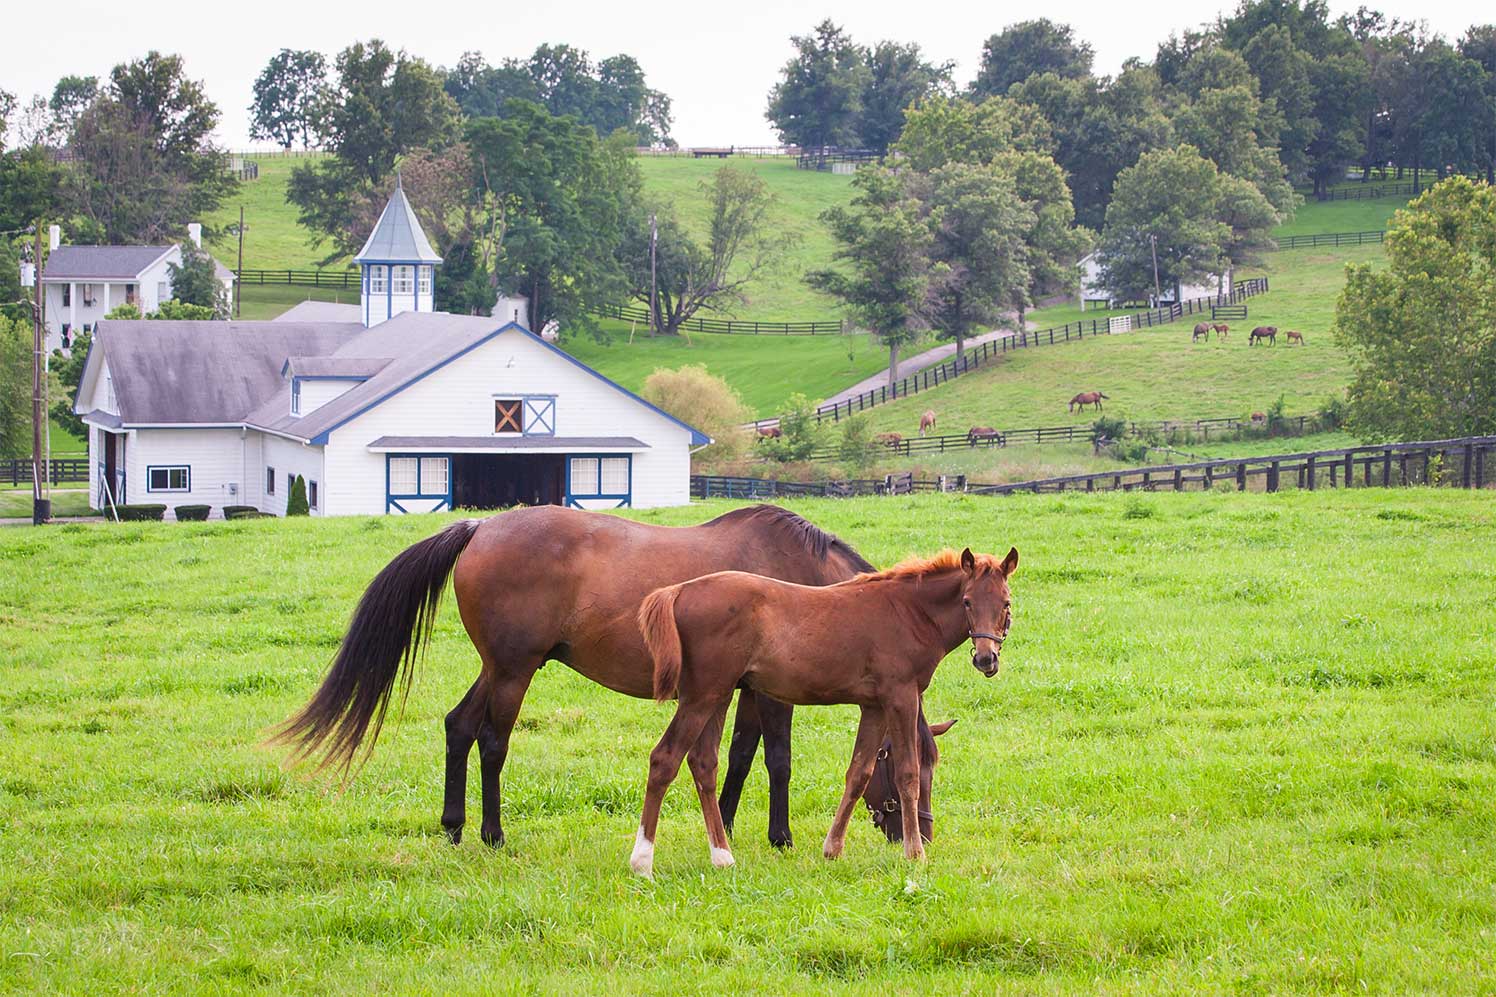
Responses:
[1168,201]
[955,130]
[290,99]
[817,102]
[195,282]
[1479,46]
[15,386]
[1030,48]
[883,251]
[898,77]
[1421,331]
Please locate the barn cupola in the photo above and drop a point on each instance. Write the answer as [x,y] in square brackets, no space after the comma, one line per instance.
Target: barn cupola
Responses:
[398,264]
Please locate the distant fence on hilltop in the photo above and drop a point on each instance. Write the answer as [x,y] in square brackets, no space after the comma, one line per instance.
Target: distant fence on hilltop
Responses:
[742,327]
[342,280]
[698,152]
[1370,193]
[60,470]
[1331,239]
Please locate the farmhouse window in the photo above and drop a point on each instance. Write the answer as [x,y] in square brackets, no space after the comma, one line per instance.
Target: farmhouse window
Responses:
[311,494]
[168,479]
[129,294]
[508,415]
[433,475]
[404,475]
[404,281]
[269,481]
[599,477]
[67,295]
[584,475]
[161,292]
[376,280]
[426,279]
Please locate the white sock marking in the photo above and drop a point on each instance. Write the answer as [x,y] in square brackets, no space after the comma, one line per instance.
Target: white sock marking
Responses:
[642,861]
[721,858]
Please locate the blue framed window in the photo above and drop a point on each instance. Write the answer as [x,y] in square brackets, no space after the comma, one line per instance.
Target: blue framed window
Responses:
[269,480]
[170,478]
[295,396]
[540,415]
[417,476]
[600,476]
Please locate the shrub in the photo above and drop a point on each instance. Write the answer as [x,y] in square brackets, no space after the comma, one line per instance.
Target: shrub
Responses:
[1111,426]
[800,434]
[124,310]
[193,513]
[1332,412]
[141,513]
[229,511]
[180,311]
[247,512]
[857,446]
[296,504]
[1277,421]
[699,398]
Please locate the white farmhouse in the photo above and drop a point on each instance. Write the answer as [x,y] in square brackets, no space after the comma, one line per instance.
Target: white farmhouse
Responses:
[82,283]
[1094,292]
[409,410]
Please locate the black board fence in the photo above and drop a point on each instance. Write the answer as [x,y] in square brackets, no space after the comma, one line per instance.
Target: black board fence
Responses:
[60,470]
[1466,462]
[342,280]
[1331,239]
[638,313]
[975,357]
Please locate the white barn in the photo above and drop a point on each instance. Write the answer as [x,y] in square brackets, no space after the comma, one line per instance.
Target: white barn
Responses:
[82,283]
[421,411]
[1093,291]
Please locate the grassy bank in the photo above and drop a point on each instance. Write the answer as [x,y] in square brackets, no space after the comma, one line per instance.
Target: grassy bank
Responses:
[1236,746]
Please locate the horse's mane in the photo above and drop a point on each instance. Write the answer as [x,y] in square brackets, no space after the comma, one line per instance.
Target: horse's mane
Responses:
[945,560]
[810,536]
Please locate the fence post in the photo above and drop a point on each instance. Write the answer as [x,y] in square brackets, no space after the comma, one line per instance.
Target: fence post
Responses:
[1350,470]
[1309,472]
[1272,477]
[1387,469]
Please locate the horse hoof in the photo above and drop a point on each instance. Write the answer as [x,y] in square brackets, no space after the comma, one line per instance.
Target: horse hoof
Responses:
[722,858]
[782,841]
[831,849]
[493,839]
[454,833]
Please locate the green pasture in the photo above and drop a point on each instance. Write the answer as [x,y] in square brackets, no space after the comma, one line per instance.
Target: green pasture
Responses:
[67,500]
[273,238]
[1241,743]
[1315,217]
[266,301]
[1159,373]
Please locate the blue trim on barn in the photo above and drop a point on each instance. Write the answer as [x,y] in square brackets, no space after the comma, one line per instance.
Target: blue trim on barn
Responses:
[392,500]
[624,500]
[543,408]
[698,438]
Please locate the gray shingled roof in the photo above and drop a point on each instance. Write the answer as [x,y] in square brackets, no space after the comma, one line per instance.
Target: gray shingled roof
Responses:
[321,311]
[204,372]
[335,366]
[398,237]
[100,262]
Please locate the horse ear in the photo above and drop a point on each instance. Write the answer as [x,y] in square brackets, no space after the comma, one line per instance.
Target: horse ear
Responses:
[968,562]
[1010,563]
[941,728]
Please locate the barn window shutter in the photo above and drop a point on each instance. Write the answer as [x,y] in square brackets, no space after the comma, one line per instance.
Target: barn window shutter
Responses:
[508,415]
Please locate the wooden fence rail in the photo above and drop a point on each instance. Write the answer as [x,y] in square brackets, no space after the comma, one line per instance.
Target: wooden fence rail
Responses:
[1465,462]
[1331,239]
[61,470]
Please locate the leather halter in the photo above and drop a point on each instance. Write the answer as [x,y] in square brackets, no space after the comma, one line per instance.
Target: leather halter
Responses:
[891,805]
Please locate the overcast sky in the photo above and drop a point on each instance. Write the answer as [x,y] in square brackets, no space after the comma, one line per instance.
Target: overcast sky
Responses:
[717,61]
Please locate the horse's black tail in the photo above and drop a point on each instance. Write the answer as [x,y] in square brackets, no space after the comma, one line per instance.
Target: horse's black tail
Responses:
[392,623]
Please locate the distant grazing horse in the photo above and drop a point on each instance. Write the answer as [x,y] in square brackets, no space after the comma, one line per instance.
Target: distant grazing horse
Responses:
[548,583]
[1221,329]
[1258,418]
[985,434]
[874,641]
[1267,332]
[1295,337]
[890,440]
[1087,398]
[1202,331]
[926,421]
[769,433]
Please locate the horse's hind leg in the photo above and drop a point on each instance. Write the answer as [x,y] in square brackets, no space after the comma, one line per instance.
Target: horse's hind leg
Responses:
[775,718]
[506,691]
[702,758]
[462,730]
[691,718]
[741,750]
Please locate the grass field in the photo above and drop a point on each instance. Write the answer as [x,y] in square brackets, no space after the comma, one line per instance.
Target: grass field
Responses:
[1237,746]
[67,500]
[1315,217]
[266,301]
[1157,373]
[273,238]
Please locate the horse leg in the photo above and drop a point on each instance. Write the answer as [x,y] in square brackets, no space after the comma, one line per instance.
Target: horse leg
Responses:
[859,771]
[903,720]
[775,718]
[506,691]
[461,724]
[691,717]
[702,759]
[747,729]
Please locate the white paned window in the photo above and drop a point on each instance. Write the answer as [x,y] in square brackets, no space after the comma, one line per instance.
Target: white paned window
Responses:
[376,280]
[161,291]
[404,280]
[168,479]
[311,494]
[426,280]
[295,397]
[403,475]
[584,476]
[433,475]
[615,476]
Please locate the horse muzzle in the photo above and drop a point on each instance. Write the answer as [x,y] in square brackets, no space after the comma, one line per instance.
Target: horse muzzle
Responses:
[987,662]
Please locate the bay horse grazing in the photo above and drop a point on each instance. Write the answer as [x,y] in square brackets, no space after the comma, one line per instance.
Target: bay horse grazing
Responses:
[874,641]
[985,433]
[926,421]
[548,583]
[1221,330]
[890,440]
[1202,331]
[1295,337]
[769,433]
[1088,398]
[1267,332]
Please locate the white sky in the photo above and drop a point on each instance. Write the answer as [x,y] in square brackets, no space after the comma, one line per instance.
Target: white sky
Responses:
[717,61]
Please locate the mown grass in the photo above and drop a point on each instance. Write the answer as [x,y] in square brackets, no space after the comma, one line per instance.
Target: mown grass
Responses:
[273,237]
[1158,373]
[1315,217]
[1241,743]
[267,301]
[70,500]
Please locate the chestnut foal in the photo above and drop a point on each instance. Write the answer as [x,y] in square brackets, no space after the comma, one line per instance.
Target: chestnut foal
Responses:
[874,641]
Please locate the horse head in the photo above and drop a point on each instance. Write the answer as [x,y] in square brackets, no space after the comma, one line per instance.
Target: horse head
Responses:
[882,795]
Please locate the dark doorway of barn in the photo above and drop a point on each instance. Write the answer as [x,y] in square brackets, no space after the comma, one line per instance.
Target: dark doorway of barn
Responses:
[492,481]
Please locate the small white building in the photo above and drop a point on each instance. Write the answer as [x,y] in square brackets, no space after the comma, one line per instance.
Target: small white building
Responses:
[80,284]
[1094,293]
[421,411]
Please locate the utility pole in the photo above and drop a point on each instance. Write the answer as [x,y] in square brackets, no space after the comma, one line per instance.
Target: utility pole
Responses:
[654,300]
[41,506]
[239,274]
[1153,245]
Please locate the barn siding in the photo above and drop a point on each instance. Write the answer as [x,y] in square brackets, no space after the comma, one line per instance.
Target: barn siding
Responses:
[214,455]
[290,458]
